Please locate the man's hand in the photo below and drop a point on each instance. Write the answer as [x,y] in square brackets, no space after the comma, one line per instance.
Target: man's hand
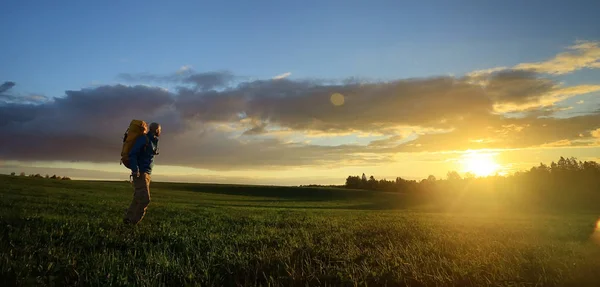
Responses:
[135,173]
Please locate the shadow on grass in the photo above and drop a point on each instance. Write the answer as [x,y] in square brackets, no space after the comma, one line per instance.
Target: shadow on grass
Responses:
[279,192]
[379,205]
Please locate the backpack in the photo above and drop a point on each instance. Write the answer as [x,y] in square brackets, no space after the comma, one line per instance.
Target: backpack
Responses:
[136,129]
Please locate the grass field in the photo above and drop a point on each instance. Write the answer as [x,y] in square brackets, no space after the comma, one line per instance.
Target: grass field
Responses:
[63,233]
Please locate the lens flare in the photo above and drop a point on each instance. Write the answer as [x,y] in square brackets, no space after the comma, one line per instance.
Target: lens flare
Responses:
[337,99]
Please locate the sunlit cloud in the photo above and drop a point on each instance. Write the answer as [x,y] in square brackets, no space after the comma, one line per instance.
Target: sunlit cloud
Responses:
[479,77]
[583,54]
[184,69]
[559,143]
[282,76]
[547,99]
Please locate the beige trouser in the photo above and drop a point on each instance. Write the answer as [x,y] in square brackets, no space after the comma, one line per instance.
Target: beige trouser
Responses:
[141,199]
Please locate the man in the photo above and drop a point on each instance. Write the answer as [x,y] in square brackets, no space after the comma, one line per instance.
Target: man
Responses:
[141,157]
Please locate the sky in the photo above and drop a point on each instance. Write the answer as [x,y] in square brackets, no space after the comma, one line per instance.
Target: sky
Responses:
[298,92]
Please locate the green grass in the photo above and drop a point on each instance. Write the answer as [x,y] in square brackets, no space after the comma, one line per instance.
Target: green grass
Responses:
[63,233]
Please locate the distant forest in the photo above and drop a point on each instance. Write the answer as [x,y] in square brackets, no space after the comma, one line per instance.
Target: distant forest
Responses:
[565,183]
[22,174]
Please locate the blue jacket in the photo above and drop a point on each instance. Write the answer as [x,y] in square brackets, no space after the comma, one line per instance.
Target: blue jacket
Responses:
[142,156]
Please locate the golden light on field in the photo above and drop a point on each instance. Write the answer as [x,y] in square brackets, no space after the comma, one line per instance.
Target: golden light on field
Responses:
[595,237]
[479,164]
[337,99]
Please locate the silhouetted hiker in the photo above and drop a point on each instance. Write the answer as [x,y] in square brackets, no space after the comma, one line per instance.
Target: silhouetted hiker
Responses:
[141,161]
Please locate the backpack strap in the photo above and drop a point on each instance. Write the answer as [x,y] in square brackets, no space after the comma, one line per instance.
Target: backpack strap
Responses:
[155,151]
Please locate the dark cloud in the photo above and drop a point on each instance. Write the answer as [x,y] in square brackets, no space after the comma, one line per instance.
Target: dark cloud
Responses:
[85,125]
[518,87]
[28,99]
[209,106]
[307,105]
[199,81]
[6,86]
[429,102]
[211,148]
[210,80]
[17,113]
[7,98]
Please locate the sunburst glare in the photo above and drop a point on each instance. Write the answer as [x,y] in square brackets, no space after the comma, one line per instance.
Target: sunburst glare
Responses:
[479,164]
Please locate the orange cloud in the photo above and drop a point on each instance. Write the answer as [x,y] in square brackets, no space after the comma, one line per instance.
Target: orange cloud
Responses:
[583,54]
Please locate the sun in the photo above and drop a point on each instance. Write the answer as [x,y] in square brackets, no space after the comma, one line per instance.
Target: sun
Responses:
[479,164]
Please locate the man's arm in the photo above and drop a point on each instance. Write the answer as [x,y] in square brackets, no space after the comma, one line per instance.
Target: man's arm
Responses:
[134,153]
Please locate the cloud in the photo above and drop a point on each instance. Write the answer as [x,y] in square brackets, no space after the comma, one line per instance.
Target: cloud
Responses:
[184,69]
[214,120]
[428,102]
[507,133]
[306,105]
[282,76]
[11,113]
[231,129]
[391,141]
[6,86]
[85,125]
[185,75]
[23,99]
[547,99]
[29,99]
[484,73]
[559,143]
[215,149]
[519,90]
[256,130]
[210,80]
[584,54]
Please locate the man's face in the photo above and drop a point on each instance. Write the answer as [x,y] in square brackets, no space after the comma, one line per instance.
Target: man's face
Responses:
[158,131]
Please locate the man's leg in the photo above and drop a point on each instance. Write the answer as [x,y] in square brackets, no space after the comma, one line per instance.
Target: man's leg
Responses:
[130,211]
[141,199]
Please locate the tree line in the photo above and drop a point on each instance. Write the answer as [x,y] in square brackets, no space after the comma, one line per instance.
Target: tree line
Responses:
[567,182]
[37,175]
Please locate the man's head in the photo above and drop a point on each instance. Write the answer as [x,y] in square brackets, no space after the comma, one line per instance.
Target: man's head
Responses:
[155,129]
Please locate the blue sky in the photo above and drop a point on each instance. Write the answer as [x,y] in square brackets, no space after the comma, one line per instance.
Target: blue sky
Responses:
[52,46]
[415,128]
